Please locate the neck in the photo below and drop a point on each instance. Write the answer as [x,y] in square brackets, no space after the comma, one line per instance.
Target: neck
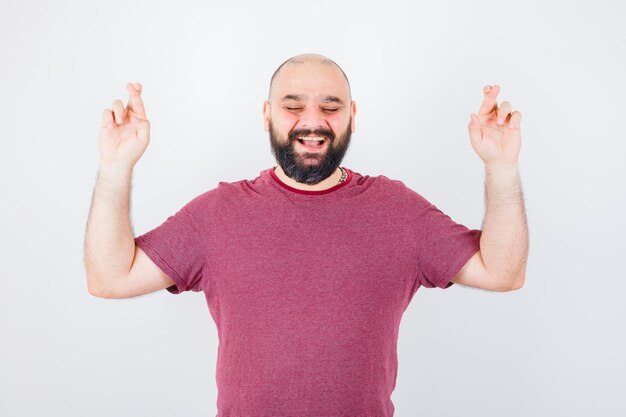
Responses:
[320,186]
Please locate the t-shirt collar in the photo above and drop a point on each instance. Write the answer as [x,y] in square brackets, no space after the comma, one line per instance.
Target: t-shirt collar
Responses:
[311,192]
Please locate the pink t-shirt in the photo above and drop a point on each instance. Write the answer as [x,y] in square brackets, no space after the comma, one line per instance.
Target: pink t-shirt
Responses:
[307,289]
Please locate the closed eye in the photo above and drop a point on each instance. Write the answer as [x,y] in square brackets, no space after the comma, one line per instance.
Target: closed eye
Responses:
[328,110]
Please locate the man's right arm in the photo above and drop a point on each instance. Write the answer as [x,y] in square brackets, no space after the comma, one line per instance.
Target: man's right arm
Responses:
[116,267]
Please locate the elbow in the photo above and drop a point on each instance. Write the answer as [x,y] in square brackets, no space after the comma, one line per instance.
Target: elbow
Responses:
[518,282]
[99,292]
[111,292]
[94,288]
[92,291]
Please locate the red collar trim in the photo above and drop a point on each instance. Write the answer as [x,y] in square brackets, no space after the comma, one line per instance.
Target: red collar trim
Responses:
[311,192]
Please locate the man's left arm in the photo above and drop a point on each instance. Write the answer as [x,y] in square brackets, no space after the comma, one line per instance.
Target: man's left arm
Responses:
[500,264]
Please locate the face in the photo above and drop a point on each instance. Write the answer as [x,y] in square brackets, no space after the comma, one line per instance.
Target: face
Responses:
[310,119]
[309,166]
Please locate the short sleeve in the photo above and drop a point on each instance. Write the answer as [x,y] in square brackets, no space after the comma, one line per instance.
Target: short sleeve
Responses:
[442,246]
[177,246]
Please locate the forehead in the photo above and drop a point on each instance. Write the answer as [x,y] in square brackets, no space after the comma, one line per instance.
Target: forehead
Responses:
[310,80]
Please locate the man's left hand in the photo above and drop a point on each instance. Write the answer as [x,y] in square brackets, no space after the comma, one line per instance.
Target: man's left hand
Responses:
[495,131]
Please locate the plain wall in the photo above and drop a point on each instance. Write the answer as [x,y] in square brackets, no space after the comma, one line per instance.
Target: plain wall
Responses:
[417,70]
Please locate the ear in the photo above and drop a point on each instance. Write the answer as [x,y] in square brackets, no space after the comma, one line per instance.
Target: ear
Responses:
[266,115]
[353,114]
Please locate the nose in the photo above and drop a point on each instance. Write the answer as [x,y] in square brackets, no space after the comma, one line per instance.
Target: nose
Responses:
[312,118]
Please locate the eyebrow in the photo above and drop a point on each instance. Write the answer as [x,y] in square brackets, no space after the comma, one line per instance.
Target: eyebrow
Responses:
[300,97]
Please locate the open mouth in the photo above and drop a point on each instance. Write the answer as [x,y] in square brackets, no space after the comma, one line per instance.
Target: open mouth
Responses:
[312,142]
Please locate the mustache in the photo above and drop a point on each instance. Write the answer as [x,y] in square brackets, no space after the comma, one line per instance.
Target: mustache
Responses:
[326,133]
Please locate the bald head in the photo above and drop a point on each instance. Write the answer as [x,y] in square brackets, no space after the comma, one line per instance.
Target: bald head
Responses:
[307,59]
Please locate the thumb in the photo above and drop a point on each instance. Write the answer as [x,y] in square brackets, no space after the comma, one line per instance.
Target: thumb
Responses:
[475,133]
[143,126]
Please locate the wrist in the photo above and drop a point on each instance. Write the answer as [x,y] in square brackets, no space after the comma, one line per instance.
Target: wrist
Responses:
[116,173]
[502,167]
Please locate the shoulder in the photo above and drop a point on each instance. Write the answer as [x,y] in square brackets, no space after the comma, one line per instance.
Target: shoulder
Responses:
[387,186]
[390,193]
[220,197]
[199,206]
[240,192]
[378,183]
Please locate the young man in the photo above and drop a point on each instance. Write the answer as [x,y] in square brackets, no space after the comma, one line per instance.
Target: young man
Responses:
[307,268]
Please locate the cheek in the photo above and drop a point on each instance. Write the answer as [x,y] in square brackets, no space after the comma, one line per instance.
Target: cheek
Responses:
[339,125]
[282,129]
[285,123]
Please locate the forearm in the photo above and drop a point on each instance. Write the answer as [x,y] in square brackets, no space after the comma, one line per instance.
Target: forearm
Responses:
[109,240]
[504,240]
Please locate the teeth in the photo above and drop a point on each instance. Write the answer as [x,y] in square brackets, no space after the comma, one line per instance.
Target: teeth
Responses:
[317,138]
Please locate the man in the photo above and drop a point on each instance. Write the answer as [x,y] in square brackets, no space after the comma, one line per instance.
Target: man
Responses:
[307,268]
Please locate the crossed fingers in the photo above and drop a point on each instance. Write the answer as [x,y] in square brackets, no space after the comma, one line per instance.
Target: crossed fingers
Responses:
[135,107]
[502,114]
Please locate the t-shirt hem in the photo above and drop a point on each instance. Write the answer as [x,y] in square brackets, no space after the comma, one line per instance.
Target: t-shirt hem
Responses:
[153,254]
[446,280]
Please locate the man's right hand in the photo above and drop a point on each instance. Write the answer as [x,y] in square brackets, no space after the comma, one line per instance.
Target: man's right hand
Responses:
[124,132]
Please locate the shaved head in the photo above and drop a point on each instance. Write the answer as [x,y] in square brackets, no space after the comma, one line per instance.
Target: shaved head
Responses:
[304,59]
[309,116]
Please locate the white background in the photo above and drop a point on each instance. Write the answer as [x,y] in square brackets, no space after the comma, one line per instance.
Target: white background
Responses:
[417,70]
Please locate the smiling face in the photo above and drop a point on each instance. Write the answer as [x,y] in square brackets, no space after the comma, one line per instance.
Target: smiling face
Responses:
[310,118]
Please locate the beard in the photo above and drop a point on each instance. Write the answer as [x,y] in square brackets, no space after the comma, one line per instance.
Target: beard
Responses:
[309,167]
